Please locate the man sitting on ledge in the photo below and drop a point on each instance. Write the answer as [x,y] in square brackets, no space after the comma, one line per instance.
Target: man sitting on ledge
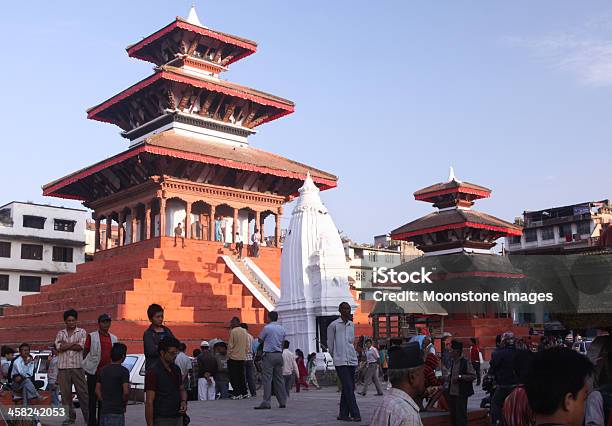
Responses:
[406,374]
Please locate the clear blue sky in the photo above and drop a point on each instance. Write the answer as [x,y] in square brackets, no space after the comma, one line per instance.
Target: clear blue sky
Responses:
[516,95]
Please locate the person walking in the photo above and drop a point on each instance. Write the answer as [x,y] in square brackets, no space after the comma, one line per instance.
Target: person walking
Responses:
[166,398]
[371,374]
[218,233]
[207,368]
[406,374]
[505,367]
[249,363]
[475,358]
[237,349]
[311,366]
[459,388]
[222,377]
[156,332]
[239,244]
[384,361]
[290,368]
[96,355]
[300,379]
[340,343]
[113,388]
[70,343]
[272,337]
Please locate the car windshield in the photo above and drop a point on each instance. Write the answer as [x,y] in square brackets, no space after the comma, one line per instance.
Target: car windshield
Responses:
[129,362]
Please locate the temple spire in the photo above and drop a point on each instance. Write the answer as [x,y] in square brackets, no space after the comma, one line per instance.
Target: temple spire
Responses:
[451,175]
[192,17]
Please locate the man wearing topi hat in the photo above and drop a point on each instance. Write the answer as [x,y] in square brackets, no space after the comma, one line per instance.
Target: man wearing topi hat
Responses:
[406,374]
[459,386]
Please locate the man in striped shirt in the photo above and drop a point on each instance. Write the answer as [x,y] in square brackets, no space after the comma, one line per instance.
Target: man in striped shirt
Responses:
[70,343]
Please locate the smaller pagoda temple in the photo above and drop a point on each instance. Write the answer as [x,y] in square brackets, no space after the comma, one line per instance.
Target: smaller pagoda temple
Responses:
[458,242]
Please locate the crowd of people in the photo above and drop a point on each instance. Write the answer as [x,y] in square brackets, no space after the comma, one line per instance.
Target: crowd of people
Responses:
[544,385]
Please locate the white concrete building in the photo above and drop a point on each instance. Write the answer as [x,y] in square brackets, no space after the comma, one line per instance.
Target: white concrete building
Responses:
[562,230]
[37,244]
[387,253]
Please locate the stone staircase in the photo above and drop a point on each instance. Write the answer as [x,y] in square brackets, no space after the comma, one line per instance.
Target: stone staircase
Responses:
[200,294]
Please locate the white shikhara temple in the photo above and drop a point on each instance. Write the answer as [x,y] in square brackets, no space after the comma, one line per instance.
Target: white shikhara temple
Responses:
[314,272]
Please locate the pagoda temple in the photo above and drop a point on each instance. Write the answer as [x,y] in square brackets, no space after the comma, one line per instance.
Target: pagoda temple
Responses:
[189,161]
[457,242]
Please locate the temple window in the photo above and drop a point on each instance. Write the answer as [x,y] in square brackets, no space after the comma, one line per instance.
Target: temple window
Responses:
[200,50]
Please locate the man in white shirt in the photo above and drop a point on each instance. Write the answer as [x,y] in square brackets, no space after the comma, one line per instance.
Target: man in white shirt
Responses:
[290,369]
[371,373]
[183,361]
[340,343]
[23,374]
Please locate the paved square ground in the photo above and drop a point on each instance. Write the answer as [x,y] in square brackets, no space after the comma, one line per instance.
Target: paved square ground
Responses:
[313,407]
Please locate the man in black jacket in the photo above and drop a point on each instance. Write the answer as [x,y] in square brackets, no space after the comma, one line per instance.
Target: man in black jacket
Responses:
[154,334]
[506,369]
[459,388]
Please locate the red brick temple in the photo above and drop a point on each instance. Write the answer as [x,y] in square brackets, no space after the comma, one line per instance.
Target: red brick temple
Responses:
[188,161]
[457,243]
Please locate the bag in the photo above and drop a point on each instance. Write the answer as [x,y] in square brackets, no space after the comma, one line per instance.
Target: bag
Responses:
[481,358]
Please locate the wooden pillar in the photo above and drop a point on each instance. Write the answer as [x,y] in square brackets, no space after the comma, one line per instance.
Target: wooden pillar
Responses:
[188,220]
[162,217]
[134,213]
[120,220]
[201,226]
[97,235]
[211,227]
[277,229]
[235,225]
[147,220]
[109,230]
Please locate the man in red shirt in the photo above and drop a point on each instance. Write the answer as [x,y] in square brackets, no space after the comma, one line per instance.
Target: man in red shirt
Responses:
[475,358]
[96,355]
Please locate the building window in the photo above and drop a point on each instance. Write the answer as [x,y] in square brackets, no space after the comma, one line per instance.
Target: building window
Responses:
[34,222]
[515,239]
[31,251]
[62,254]
[565,231]
[5,249]
[53,280]
[29,283]
[4,282]
[548,233]
[584,228]
[372,256]
[531,235]
[358,276]
[64,225]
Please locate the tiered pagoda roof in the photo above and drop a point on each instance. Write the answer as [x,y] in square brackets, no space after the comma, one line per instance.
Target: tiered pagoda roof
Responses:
[185,122]
[454,227]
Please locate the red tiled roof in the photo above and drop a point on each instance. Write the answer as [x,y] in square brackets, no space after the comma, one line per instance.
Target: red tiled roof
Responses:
[452,219]
[450,187]
[249,46]
[171,144]
[175,74]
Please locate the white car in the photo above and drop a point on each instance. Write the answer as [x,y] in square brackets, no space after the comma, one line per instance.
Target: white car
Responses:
[135,363]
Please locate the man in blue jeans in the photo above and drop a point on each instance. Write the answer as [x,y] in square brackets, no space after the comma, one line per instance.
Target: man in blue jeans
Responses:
[340,338]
